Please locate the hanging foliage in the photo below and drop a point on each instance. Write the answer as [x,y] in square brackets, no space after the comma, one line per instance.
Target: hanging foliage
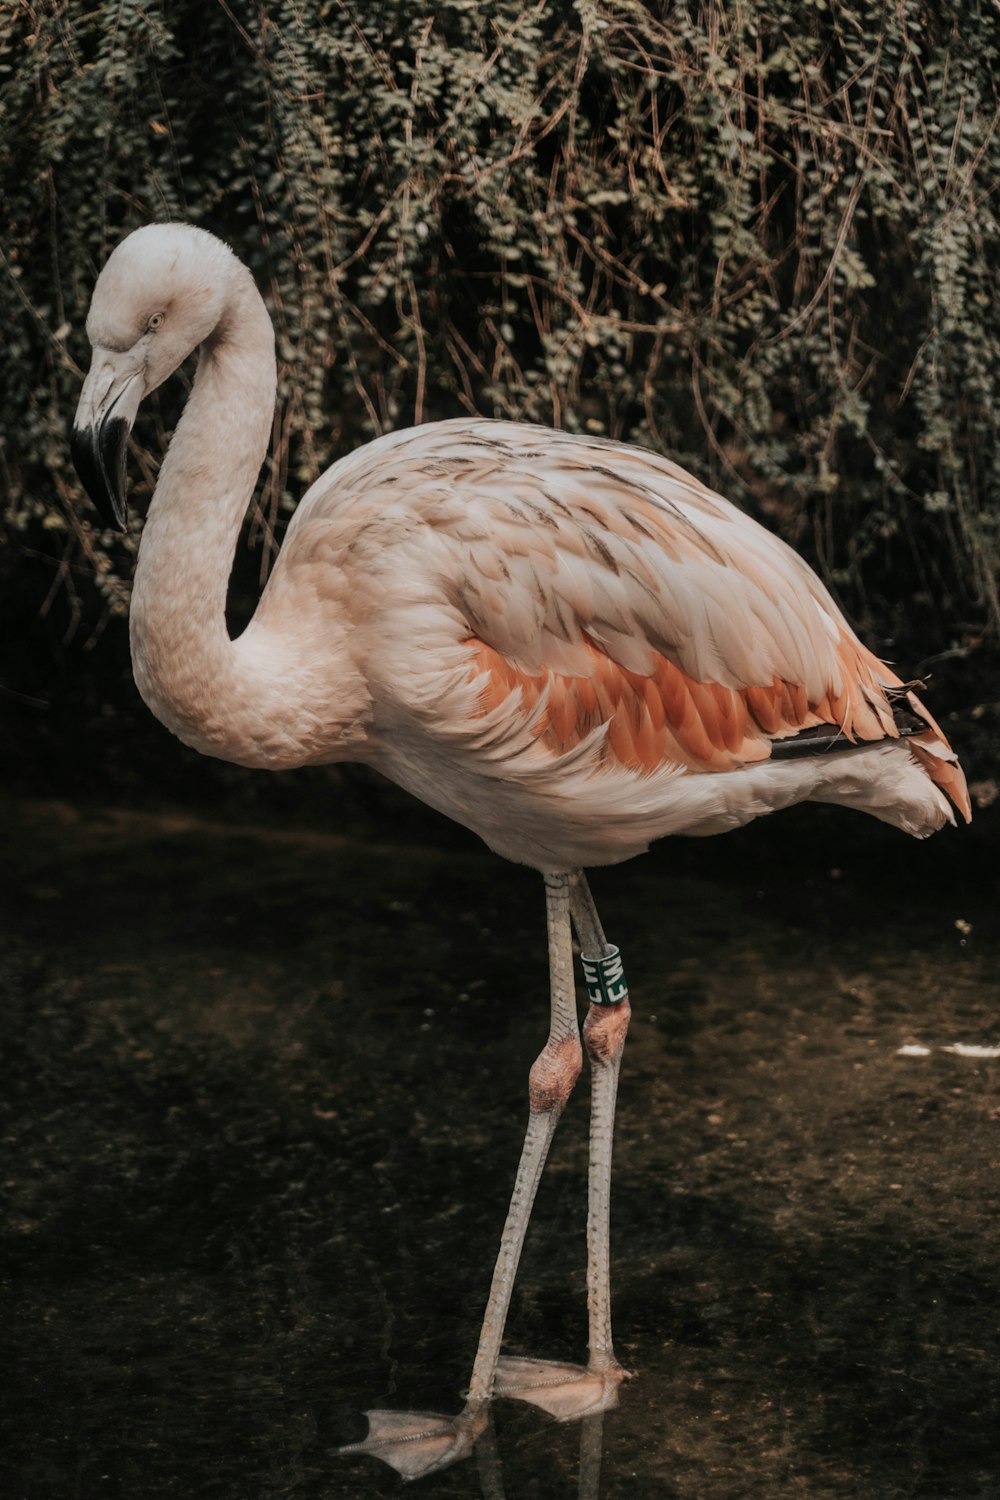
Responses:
[761,237]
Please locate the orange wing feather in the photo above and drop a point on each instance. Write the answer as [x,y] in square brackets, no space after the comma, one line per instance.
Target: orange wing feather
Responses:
[666,717]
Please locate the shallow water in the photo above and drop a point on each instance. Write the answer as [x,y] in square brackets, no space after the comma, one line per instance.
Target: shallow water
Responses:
[265,1095]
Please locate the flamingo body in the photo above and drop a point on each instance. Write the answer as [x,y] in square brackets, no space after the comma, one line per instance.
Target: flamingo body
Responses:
[573,647]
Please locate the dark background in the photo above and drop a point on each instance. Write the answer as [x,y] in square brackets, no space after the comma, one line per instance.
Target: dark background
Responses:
[762,240]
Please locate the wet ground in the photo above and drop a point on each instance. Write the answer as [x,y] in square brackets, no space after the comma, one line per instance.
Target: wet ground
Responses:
[265,1090]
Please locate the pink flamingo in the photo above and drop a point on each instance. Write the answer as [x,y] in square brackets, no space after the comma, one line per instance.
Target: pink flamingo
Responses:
[567,644]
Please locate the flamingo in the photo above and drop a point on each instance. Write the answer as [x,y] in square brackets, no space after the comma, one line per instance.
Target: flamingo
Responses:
[568,644]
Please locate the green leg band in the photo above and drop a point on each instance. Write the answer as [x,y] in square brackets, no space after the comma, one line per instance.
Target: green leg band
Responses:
[605,978]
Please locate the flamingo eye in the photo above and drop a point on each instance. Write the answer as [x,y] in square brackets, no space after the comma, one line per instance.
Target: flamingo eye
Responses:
[154,322]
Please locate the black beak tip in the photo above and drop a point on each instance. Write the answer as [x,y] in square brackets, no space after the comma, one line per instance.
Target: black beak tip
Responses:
[98,455]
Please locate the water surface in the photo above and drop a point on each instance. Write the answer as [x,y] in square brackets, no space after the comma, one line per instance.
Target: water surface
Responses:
[265,1098]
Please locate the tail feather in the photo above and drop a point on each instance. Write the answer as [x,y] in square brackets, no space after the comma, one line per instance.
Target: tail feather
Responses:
[938,759]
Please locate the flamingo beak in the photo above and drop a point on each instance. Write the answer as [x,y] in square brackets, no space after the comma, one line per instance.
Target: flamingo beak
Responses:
[107,407]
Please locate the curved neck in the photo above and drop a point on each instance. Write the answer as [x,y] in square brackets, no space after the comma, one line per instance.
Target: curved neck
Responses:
[230,699]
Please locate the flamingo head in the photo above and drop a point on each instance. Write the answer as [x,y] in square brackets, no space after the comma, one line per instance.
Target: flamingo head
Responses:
[161,294]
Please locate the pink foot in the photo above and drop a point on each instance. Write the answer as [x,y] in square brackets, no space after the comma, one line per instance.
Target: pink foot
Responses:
[567,1392]
[415,1443]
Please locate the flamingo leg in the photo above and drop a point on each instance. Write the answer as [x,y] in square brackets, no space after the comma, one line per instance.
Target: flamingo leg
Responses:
[418,1443]
[570,1391]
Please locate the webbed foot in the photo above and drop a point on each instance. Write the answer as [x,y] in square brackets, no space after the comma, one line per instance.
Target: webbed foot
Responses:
[415,1443]
[566,1391]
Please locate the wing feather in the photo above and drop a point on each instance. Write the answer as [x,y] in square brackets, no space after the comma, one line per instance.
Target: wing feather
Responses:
[589,594]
